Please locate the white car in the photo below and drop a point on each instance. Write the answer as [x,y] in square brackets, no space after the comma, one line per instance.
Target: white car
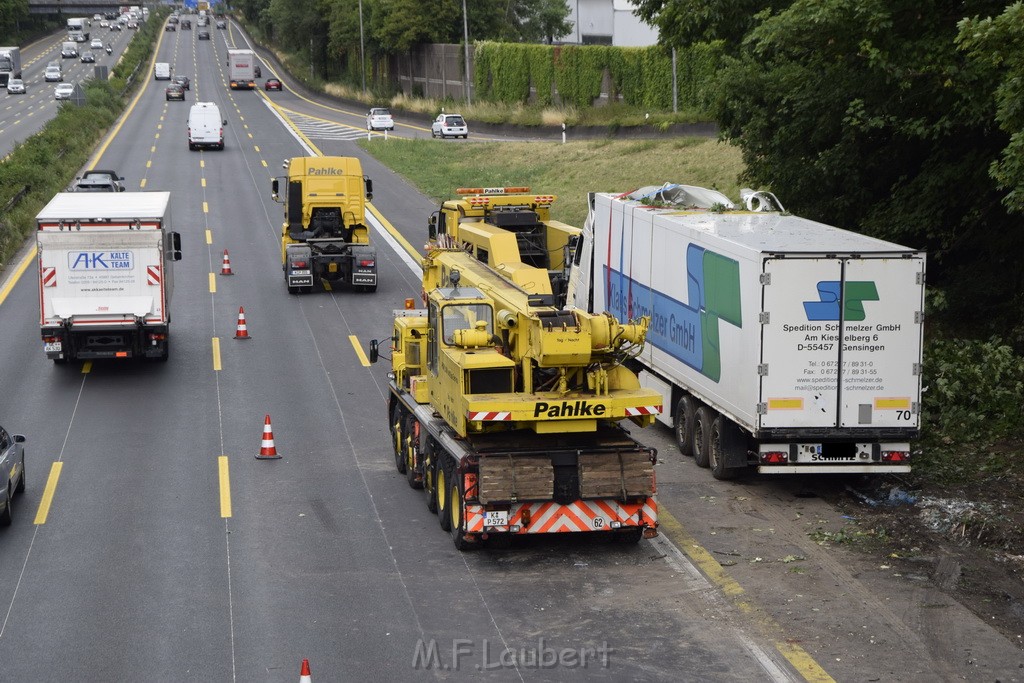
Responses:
[53,73]
[63,91]
[96,44]
[104,24]
[379,118]
[449,125]
[16,86]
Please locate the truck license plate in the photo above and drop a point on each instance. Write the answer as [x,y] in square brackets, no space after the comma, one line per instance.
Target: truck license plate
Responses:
[496,518]
[52,347]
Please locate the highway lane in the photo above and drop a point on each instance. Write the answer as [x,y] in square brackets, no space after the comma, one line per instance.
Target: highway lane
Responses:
[326,554]
[24,115]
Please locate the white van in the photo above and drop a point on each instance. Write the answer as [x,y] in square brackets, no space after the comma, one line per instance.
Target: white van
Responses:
[205,126]
[162,71]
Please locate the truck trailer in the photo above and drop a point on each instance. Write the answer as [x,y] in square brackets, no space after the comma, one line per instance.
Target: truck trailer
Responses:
[776,341]
[10,64]
[106,275]
[241,69]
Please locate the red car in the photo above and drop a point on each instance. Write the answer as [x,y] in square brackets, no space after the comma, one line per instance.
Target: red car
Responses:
[273,84]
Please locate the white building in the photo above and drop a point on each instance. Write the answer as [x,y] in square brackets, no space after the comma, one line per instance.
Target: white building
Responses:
[607,22]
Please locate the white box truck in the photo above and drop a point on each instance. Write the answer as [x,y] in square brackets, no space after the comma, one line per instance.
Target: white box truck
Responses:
[10,64]
[106,275]
[241,69]
[776,341]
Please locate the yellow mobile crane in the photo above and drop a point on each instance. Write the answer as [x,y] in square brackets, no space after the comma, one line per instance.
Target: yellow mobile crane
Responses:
[506,408]
[325,240]
[511,230]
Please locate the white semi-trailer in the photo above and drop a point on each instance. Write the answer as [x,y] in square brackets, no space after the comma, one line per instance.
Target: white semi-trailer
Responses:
[776,341]
[241,69]
[106,275]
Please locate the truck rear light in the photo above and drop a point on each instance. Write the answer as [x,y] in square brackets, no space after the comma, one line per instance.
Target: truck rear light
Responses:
[895,456]
[526,517]
[774,457]
[157,336]
[367,263]
[299,264]
[51,340]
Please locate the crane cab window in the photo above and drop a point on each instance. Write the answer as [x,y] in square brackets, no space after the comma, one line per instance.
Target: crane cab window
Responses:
[464,316]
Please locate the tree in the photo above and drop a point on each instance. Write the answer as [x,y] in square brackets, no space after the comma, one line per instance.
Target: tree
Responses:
[997,46]
[685,22]
[862,113]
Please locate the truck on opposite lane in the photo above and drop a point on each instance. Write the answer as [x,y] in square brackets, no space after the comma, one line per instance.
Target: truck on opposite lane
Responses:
[106,275]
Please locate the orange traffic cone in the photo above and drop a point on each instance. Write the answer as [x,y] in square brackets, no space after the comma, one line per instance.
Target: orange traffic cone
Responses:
[304,675]
[267,449]
[242,332]
[225,268]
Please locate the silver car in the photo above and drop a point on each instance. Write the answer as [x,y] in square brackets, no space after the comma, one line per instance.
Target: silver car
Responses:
[12,469]
[16,86]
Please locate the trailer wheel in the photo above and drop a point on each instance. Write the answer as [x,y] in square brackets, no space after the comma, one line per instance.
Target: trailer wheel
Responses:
[702,435]
[443,488]
[166,353]
[684,424]
[397,438]
[716,453]
[457,519]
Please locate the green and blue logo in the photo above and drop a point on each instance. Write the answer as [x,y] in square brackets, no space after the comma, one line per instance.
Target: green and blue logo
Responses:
[686,331]
[829,294]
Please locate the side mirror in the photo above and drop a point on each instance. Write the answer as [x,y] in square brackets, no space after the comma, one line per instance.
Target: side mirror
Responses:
[225,122]
[374,353]
[432,227]
[273,186]
[369,188]
[175,246]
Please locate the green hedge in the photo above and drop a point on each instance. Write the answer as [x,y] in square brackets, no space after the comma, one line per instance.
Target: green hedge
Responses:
[642,77]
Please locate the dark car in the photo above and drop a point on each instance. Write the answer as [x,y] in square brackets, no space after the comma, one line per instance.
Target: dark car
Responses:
[256,71]
[272,84]
[88,58]
[117,27]
[182,81]
[204,35]
[169,27]
[12,471]
[174,92]
[186,24]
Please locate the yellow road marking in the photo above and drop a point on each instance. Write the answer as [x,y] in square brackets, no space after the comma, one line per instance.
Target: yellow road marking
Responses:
[157,136]
[51,487]
[19,271]
[152,150]
[705,561]
[264,162]
[142,183]
[209,237]
[394,232]
[216,354]
[206,208]
[250,135]
[213,283]
[149,163]
[159,126]
[225,486]
[202,163]
[359,350]
[203,182]
[256,147]
[87,367]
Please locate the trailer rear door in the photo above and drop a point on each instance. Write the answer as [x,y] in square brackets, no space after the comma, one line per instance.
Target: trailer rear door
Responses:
[841,345]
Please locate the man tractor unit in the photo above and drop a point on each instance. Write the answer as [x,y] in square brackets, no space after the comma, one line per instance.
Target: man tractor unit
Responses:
[506,408]
[325,241]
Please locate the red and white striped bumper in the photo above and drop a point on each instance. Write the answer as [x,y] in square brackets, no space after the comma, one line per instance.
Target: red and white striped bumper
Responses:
[580,516]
